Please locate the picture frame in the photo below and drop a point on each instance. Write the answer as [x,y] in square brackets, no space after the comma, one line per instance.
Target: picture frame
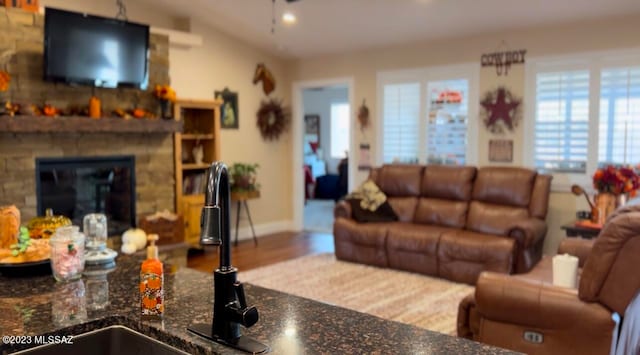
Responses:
[312,125]
[229,117]
[501,150]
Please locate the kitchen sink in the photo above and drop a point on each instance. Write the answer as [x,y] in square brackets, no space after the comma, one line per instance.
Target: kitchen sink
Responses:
[114,340]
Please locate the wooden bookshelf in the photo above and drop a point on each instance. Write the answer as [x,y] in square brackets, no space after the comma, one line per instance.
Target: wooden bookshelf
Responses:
[201,126]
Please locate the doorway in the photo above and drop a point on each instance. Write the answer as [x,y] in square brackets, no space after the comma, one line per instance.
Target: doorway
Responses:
[323,130]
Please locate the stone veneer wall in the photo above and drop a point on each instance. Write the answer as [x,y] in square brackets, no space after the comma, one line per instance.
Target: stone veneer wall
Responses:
[21,33]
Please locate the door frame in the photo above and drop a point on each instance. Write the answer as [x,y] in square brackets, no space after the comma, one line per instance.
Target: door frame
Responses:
[297,136]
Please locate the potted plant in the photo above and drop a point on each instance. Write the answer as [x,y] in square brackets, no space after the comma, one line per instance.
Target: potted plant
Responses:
[243,179]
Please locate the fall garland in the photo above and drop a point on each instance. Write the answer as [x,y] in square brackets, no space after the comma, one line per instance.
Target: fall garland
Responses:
[273,119]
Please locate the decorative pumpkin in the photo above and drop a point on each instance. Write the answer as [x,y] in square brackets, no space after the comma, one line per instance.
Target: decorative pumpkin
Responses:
[9,226]
[135,236]
[44,227]
[139,113]
[49,111]
[273,119]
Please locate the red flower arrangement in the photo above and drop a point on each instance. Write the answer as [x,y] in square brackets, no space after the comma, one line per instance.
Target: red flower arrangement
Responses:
[616,180]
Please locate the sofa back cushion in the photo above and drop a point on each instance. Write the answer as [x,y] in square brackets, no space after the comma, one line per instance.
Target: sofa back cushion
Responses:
[400,180]
[448,182]
[441,212]
[492,218]
[504,186]
[404,207]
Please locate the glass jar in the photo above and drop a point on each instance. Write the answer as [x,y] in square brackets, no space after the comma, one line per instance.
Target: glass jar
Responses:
[67,253]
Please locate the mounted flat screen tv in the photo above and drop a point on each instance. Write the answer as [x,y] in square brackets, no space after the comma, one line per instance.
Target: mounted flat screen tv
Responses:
[97,51]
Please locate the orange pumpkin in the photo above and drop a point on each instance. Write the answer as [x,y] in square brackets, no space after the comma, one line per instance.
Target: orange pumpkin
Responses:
[138,113]
[149,303]
[154,283]
[49,111]
[142,287]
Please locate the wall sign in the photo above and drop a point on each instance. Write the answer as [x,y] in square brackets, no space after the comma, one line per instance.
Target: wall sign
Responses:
[501,150]
[503,60]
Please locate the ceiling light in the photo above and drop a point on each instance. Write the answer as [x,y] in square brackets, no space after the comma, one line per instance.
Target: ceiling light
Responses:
[289,18]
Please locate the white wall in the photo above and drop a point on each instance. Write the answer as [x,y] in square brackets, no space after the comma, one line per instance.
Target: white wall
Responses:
[319,102]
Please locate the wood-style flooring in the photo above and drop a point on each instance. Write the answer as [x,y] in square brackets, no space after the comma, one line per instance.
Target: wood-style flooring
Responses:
[271,249]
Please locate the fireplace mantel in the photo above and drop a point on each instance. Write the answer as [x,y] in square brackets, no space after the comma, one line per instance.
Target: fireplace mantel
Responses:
[41,124]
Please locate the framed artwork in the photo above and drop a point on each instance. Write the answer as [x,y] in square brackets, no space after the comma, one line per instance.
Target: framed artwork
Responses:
[312,126]
[229,109]
[501,150]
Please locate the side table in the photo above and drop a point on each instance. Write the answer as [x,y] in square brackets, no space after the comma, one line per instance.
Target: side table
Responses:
[242,198]
[586,231]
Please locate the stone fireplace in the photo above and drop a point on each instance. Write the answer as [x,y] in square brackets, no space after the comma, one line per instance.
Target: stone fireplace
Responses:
[152,152]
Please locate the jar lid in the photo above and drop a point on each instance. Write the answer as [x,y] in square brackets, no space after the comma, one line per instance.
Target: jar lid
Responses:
[67,234]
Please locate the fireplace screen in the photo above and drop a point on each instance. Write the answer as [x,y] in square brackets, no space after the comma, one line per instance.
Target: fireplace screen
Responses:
[74,187]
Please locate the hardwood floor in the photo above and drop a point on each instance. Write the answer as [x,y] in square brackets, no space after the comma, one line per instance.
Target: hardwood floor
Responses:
[270,249]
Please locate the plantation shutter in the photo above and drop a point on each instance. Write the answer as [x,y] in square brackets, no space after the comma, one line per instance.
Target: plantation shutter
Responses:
[401,121]
[619,131]
[561,134]
[447,122]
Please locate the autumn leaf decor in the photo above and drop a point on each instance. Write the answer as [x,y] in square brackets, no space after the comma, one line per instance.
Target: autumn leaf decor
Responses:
[616,180]
[167,96]
[5,80]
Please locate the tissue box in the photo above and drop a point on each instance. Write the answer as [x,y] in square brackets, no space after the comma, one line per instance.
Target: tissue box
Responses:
[168,231]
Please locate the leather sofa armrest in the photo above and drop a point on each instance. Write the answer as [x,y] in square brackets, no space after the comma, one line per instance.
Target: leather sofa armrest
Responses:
[467,324]
[581,248]
[534,304]
[342,209]
[528,231]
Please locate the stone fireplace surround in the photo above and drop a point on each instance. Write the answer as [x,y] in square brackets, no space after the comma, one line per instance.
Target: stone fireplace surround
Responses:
[153,155]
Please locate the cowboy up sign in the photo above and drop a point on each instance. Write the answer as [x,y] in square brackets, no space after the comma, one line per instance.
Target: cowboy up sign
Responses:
[503,60]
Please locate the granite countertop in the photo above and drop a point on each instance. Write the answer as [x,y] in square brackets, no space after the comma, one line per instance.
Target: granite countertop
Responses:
[288,324]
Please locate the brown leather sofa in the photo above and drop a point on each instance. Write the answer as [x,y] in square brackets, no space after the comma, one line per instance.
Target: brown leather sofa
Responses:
[527,313]
[454,222]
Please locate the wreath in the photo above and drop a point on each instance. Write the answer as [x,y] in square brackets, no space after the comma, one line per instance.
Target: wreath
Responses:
[273,119]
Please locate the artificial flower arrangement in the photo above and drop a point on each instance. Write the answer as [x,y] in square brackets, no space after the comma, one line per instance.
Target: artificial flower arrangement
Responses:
[165,92]
[5,80]
[616,180]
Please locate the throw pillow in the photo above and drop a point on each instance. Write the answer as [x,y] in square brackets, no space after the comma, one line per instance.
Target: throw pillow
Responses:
[369,204]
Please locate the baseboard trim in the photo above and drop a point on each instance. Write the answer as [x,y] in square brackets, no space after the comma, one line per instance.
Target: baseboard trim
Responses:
[244,232]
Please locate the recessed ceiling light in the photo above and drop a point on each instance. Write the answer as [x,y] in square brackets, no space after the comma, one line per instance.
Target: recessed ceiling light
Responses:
[289,18]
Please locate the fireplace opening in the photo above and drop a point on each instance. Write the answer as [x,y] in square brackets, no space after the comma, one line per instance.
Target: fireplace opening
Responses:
[77,186]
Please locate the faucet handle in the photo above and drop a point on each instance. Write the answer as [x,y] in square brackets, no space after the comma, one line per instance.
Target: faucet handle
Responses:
[239,288]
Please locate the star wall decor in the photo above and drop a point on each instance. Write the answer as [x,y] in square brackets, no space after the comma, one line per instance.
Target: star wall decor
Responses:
[501,110]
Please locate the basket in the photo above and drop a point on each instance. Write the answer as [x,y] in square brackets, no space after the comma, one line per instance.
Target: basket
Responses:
[169,232]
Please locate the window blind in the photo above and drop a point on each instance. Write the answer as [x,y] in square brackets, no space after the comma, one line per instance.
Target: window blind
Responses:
[562,121]
[447,122]
[401,122]
[619,126]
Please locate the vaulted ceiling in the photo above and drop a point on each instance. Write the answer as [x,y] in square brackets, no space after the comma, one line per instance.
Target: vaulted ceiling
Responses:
[330,26]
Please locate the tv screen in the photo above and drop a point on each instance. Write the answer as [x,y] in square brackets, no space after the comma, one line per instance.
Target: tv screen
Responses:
[92,50]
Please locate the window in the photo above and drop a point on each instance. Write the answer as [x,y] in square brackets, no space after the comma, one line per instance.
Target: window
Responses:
[340,130]
[619,129]
[562,121]
[401,122]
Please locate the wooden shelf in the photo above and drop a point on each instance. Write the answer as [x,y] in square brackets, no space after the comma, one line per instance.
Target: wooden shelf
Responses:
[195,166]
[196,136]
[42,124]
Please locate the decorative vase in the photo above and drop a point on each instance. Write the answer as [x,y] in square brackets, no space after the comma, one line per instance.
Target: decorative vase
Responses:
[605,204]
[166,109]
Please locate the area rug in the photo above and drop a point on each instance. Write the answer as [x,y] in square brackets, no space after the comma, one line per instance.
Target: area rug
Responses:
[423,301]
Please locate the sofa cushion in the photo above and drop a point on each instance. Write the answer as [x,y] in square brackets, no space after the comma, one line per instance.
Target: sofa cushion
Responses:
[360,242]
[504,185]
[442,212]
[493,219]
[400,180]
[463,255]
[448,182]
[404,207]
[413,247]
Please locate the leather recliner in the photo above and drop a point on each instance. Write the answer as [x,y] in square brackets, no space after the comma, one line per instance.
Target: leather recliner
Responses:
[453,222]
[527,313]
